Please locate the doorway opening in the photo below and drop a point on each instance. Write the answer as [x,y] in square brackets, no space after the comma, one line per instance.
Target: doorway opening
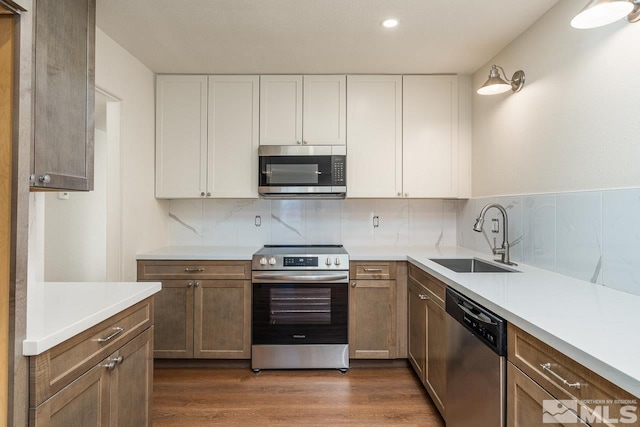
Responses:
[82,235]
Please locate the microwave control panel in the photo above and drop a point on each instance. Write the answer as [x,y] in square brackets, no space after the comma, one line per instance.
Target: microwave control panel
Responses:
[338,169]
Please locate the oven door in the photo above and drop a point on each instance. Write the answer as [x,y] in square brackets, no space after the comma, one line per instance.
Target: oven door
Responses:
[304,312]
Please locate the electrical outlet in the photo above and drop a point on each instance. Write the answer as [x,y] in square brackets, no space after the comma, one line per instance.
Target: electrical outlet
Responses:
[63,195]
[495,225]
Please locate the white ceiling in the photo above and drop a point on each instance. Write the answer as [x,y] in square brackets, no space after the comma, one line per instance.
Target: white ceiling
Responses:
[316,36]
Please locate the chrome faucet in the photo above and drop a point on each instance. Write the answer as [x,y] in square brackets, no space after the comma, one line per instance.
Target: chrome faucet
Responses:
[504,250]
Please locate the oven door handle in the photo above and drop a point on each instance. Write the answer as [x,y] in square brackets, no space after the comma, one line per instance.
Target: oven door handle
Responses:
[302,278]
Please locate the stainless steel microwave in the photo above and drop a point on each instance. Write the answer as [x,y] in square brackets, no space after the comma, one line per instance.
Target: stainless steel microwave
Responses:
[307,171]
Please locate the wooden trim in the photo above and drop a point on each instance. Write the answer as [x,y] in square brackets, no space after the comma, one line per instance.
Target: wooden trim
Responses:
[7,23]
[402,323]
[22,138]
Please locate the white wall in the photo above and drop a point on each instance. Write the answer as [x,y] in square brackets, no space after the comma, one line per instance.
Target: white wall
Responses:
[571,129]
[76,228]
[144,219]
[574,125]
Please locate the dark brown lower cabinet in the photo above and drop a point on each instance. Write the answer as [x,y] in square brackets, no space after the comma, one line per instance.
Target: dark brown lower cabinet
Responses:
[84,383]
[427,334]
[203,310]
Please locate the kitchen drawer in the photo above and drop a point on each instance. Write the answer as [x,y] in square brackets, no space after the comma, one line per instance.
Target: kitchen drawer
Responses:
[435,288]
[529,354]
[54,369]
[372,270]
[205,270]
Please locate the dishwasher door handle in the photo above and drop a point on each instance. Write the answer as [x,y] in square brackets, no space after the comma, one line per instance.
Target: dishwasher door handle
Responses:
[487,320]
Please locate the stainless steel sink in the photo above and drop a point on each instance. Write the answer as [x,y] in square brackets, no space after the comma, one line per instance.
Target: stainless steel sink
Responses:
[471,265]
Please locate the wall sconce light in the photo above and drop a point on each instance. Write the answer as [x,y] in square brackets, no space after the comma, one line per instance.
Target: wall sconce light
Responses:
[602,12]
[497,84]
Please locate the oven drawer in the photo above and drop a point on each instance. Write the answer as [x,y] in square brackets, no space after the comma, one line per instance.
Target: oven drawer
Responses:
[373,270]
[205,270]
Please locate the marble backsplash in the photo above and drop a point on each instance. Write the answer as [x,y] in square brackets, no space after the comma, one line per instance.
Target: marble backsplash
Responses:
[591,235]
[249,222]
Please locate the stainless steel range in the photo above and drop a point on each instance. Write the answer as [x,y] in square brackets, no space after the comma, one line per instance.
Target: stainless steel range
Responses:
[300,308]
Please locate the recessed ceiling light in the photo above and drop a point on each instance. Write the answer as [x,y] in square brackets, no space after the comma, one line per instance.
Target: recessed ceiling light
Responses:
[390,23]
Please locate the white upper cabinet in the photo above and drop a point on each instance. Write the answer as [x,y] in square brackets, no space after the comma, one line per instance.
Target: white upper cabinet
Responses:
[206,136]
[324,112]
[181,136]
[430,136]
[374,134]
[408,136]
[296,110]
[233,136]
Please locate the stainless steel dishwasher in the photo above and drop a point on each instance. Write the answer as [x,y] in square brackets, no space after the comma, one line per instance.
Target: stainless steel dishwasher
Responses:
[476,364]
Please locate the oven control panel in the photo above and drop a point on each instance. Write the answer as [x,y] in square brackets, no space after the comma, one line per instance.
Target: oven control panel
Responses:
[290,261]
[300,262]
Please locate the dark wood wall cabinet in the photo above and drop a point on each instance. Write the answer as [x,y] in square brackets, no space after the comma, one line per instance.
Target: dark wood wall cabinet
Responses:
[203,310]
[64,95]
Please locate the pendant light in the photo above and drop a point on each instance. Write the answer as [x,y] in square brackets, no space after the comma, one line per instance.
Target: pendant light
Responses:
[602,12]
[496,84]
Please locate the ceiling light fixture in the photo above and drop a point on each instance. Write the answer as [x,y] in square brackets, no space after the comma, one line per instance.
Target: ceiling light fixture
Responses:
[390,23]
[602,12]
[497,84]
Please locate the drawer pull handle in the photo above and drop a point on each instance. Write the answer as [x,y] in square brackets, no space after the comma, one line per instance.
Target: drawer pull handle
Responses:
[423,296]
[194,270]
[547,367]
[373,270]
[116,331]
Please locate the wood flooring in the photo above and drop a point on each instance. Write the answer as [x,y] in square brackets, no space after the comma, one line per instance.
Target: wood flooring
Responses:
[237,397]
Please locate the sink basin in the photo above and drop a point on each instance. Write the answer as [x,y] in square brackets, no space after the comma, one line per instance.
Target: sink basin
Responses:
[471,265]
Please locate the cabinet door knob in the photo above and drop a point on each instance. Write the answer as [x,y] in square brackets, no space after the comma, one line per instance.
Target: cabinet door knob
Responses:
[202,194]
[353,284]
[208,194]
[423,297]
[190,284]
[299,142]
[406,194]
[45,179]
[399,194]
[197,284]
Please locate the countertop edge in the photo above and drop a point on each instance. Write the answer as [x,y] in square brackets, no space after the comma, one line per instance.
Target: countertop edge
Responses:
[33,346]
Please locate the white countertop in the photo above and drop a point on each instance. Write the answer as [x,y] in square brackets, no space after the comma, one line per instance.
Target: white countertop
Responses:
[220,253]
[593,324]
[58,311]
